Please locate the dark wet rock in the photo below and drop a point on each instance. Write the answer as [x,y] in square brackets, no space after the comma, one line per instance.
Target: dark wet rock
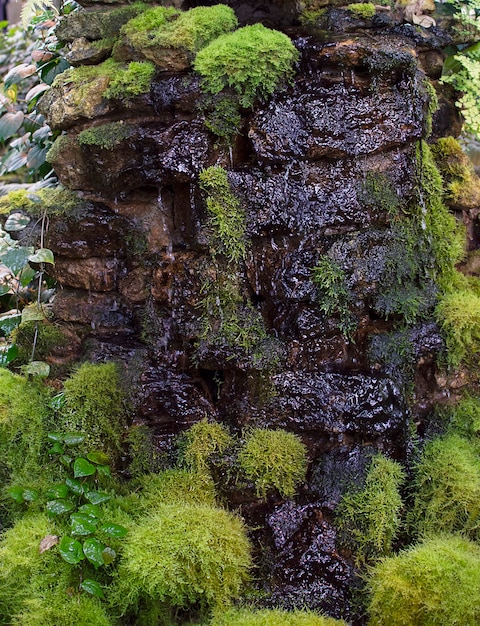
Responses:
[97,274]
[307,570]
[98,311]
[94,24]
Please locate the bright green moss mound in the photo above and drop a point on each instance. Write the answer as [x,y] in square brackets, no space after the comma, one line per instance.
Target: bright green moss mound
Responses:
[124,82]
[60,609]
[458,314]
[49,336]
[461,184]
[273,459]
[176,486]
[253,61]
[369,519]
[168,28]
[433,584]
[105,136]
[447,488]
[201,442]
[94,405]
[273,617]
[55,201]
[465,417]
[183,555]
[363,10]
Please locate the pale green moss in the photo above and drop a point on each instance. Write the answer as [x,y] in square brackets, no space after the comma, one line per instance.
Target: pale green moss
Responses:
[458,314]
[273,617]
[362,10]
[203,440]
[461,183]
[55,201]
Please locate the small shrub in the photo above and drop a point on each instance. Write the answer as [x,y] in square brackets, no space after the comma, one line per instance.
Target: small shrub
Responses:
[182,555]
[201,442]
[273,459]
[432,584]
[458,314]
[94,406]
[447,488]
[253,61]
[369,519]
[273,617]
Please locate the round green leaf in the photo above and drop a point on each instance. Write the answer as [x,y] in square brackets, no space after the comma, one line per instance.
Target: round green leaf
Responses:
[8,354]
[43,255]
[57,437]
[82,467]
[16,493]
[30,495]
[57,491]
[104,470]
[16,222]
[9,321]
[82,524]
[75,486]
[10,123]
[91,510]
[97,497]
[114,530]
[92,548]
[92,587]
[56,449]
[60,506]
[109,555]
[99,457]
[65,459]
[32,313]
[73,439]
[71,550]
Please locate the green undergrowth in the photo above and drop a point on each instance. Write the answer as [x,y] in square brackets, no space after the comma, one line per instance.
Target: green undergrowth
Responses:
[458,315]
[273,617]
[105,136]
[273,460]
[447,488]
[431,584]
[253,61]
[166,27]
[369,520]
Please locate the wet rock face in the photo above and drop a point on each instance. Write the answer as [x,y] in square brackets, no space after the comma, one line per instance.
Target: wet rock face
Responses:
[319,169]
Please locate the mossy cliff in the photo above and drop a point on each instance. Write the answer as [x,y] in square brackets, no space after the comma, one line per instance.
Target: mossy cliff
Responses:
[267,225]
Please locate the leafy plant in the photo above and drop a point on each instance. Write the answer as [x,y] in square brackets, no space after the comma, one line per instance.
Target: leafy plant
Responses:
[369,519]
[253,61]
[431,584]
[273,459]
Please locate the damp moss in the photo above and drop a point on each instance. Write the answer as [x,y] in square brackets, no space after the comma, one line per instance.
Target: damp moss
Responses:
[183,555]
[105,136]
[273,459]
[54,201]
[177,486]
[143,455]
[458,315]
[362,10]
[273,617]
[465,417]
[432,584]
[165,27]
[447,488]
[49,336]
[462,185]
[253,61]
[222,116]
[203,440]
[432,106]
[369,519]
[62,609]
[95,406]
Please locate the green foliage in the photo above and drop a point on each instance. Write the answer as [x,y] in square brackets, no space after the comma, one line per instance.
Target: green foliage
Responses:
[106,136]
[203,440]
[222,116]
[253,61]
[226,218]
[333,294]
[431,584]
[273,459]
[144,458]
[447,488]
[463,72]
[458,315]
[362,10]
[461,184]
[124,81]
[432,106]
[182,555]
[369,519]
[162,27]
[95,405]
[273,617]
[379,193]
[53,201]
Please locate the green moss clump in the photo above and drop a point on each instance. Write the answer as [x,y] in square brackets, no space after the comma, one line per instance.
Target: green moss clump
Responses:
[447,488]
[183,555]
[105,136]
[49,336]
[432,106]
[222,116]
[203,440]
[465,417]
[379,193]
[273,459]
[333,294]
[226,216]
[95,406]
[144,457]
[461,183]
[458,315]
[166,27]
[176,486]
[273,617]
[253,61]
[369,519]
[362,10]
[55,201]
[61,609]
[432,584]
[124,82]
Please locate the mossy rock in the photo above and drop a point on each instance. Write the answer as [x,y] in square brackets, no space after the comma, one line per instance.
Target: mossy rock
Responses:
[48,337]
[201,442]
[273,617]
[55,201]
[105,136]
[434,583]
[96,25]
[183,555]
[462,185]
[458,315]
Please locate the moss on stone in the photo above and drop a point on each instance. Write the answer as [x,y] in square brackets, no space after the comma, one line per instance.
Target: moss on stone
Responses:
[462,185]
[203,440]
[362,10]
[49,336]
[432,584]
[273,617]
[105,136]
[458,315]
[273,460]
[55,201]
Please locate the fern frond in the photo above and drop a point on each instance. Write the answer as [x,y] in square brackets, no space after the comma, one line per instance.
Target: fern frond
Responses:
[32,7]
